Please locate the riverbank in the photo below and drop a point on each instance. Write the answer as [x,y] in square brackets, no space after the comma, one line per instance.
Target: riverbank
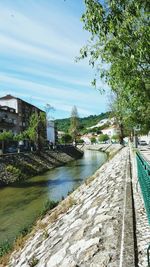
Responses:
[86,228]
[16,167]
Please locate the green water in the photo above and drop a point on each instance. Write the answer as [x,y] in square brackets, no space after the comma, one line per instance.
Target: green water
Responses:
[21,203]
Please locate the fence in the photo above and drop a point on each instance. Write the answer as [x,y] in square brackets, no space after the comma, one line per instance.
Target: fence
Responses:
[144,180]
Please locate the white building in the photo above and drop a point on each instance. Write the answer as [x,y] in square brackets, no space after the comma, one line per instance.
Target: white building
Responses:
[111,131]
[51,132]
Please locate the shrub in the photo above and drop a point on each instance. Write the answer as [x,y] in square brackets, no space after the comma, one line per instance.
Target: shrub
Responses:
[13,170]
[103,137]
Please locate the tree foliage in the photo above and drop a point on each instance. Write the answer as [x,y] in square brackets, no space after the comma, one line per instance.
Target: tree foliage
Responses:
[35,131]
[119,38]
[64,124]
[103,138]
[6,135]
[66,138]
[74,123]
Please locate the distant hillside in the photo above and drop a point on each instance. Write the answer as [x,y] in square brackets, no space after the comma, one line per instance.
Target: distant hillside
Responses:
[64,124]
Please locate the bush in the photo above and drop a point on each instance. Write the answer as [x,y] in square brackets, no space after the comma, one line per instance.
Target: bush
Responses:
[93,140]
[66,138]
[13,170]
[103,138]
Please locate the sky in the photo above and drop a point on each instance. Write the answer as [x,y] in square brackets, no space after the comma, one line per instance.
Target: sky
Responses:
[39,41]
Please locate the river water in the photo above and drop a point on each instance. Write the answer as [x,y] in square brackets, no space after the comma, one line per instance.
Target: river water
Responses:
[22,202]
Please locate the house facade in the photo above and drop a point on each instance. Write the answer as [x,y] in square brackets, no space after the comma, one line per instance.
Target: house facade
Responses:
[20,112]
[8,119]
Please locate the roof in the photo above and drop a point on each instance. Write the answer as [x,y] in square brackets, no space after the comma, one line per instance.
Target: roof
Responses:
[8,97]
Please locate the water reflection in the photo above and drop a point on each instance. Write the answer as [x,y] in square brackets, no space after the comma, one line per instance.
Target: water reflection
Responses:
[20,203]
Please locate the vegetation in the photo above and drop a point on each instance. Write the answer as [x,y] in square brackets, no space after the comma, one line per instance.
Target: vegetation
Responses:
[35,131]
[115,137]
[5,248]
[33,261]
[15,171]
[66,138]
[103,138]
[119,38]
[49,205]
[93,140]
[5,136]
[74,124]
[64,124]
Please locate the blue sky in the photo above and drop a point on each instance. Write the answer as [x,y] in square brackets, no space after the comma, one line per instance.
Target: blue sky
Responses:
[39,40]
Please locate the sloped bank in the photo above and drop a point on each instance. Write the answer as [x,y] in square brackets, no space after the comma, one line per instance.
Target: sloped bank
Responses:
[15,167]
[86,228]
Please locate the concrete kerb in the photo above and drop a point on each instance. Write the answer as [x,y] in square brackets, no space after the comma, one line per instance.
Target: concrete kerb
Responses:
[128,244]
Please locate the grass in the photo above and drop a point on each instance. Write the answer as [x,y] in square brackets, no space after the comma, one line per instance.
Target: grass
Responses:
[49,205]
[14,171]
[33,261]
[5,248]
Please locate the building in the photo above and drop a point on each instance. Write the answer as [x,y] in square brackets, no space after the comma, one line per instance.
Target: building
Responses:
[8,119]
[113,130]
[20,111]
[51,132]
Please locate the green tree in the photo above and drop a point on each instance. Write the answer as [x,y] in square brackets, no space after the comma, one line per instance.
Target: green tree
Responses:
[103,138]
[74,123]
[93,140]
[36,129]
[115,137]
[119,38]
[66,138]
[5,136]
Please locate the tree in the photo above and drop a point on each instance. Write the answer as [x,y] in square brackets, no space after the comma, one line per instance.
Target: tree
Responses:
[36,129]
[103,138]
[5,136]
[74,123]
[93,140]
[66,138]
[119,38]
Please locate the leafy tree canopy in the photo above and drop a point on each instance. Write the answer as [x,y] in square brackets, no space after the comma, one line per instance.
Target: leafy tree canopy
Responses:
[103,137]
[119,38]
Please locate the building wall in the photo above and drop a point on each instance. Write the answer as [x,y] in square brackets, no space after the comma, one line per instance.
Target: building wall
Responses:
[110,131]
[8,121]
[51,132]
[24,111]
[12,103]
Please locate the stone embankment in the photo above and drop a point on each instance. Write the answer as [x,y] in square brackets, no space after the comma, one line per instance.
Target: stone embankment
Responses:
[15,167]
[87,229]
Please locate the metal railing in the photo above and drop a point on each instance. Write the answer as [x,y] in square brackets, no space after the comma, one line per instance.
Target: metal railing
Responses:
[144,180]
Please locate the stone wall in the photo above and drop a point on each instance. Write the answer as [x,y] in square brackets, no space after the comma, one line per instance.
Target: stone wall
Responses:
[86,229]
[15,167]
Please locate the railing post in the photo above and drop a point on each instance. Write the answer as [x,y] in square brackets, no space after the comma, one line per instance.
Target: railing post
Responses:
[148,255]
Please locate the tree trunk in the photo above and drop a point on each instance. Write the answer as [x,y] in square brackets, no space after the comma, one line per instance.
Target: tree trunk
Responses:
[121,134]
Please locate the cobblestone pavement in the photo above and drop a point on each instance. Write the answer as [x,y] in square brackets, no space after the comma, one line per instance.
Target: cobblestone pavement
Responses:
[88,233]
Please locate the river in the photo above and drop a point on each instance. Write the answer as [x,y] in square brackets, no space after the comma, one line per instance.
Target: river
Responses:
[21,203]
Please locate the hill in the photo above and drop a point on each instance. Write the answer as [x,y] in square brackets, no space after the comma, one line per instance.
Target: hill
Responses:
[64,124]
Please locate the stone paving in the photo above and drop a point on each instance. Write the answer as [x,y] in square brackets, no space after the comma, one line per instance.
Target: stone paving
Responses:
[88,233]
